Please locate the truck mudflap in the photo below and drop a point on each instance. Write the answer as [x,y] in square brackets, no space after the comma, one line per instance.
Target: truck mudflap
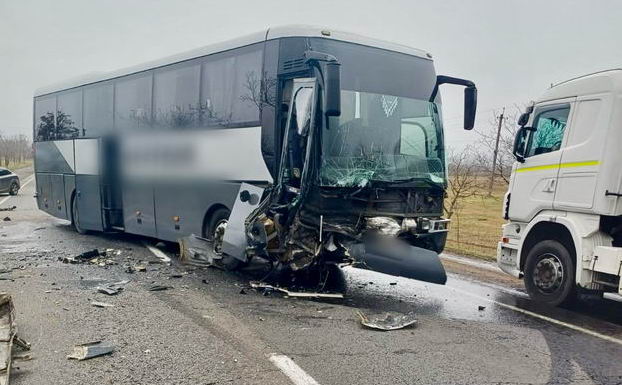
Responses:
[394,257]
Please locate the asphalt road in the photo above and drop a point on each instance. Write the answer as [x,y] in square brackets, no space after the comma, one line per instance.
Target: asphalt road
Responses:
[478,329]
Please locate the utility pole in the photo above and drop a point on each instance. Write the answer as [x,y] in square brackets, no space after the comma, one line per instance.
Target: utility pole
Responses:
[494,155]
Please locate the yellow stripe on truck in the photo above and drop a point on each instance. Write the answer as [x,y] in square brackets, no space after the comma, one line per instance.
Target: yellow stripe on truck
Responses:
[559,165]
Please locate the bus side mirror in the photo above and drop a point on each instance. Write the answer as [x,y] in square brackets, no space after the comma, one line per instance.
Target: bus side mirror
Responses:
[332,85]
[470,106]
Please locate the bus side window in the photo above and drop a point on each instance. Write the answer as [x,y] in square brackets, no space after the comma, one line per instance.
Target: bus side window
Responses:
[413,139]
[98,118]
[45,118]
[69,115]
[549,134]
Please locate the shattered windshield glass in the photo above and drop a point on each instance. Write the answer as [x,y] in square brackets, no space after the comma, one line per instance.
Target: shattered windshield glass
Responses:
[382,138]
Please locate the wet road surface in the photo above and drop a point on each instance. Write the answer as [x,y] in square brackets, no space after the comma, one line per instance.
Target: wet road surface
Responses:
[205,331]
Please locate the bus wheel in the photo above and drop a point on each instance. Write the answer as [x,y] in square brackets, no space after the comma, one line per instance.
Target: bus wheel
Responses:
[214,231]
[550,274]
[75,218]
[13,189]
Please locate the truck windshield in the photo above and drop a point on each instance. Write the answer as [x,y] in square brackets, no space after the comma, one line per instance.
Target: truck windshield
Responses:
[382,138]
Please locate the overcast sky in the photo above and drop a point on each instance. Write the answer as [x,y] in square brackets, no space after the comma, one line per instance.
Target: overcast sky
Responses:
[513,50]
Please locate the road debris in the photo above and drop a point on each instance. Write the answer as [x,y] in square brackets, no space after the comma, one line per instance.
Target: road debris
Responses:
[6,219]
[196,251]
[95,257]
[160,288]
[111,288]
[90,350]
[101,304]
[390,321]
[11,208]
[138,267]
[8,338]
[481,308]
[295,294]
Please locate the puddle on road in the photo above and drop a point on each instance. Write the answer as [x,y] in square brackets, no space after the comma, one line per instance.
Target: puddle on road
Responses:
[461,299]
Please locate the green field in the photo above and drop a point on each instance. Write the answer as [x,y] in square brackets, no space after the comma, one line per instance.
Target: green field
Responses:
[476,227]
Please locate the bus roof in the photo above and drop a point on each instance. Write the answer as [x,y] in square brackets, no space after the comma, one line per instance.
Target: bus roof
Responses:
[590,84]
[269,34]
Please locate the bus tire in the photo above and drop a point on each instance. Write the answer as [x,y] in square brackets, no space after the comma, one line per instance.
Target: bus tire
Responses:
[75,217]
[14,189]
[214,230]
[549,274]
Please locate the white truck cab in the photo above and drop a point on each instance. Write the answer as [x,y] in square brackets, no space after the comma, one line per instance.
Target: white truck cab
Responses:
[564,201]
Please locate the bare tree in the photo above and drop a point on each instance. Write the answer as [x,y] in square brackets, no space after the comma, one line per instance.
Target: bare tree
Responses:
[260,91]
[487,142]
[464,181]
[14,149]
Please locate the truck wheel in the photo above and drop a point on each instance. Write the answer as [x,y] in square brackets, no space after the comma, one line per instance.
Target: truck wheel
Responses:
[14,188]
[550,274]
[75,217]
[214,230]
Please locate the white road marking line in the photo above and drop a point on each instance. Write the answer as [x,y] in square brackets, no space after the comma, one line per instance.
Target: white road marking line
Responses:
[158,253]
[28,180]
[544,318]
[291,370]
[469,262]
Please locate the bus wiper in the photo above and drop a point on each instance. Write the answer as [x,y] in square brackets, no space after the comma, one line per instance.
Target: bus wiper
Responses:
[413,180]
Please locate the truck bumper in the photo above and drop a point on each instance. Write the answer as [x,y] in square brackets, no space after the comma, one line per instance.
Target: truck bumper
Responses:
[608,260]
[507,259]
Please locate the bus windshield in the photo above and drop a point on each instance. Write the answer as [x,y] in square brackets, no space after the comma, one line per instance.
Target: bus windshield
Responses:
[382,138]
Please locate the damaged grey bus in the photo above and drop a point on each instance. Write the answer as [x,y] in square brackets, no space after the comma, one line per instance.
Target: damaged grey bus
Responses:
[302,146]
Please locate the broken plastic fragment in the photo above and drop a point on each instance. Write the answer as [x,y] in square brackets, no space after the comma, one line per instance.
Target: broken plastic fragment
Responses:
[160,288]
[90,350]
[101,304]
[8,337]
[390,321]
[299,294]
[196,251]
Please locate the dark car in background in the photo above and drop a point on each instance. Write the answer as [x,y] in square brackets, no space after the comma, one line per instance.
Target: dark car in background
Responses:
[9,182]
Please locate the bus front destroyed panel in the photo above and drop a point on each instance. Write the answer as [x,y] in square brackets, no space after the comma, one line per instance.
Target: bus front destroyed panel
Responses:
[363,186]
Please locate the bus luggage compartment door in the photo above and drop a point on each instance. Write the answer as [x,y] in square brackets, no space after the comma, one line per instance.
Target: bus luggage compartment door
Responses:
[234,241]
[88,198]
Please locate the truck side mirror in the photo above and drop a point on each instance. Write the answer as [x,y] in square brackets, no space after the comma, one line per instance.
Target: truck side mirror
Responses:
[332,85]
[520,143]
[470,106]
[523,119]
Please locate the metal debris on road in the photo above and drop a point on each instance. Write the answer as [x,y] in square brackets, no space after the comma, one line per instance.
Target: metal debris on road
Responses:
[8,337]
[160,288]
[95,257]
[101,304]
[111,288]
[294,294]
[390,321]
[90,350]
[196,251]
[11,208]
[139,267]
